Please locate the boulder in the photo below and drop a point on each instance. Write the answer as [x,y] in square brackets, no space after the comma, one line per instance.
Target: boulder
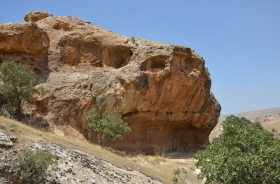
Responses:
[6,140]
[35,16]
[161,90]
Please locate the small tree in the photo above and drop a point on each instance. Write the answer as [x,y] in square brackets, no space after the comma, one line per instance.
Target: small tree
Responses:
[244,153]
[109,124]
[18,84]
[32,166]
[93,117]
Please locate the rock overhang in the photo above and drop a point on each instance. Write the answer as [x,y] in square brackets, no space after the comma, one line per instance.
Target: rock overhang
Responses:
[162,90]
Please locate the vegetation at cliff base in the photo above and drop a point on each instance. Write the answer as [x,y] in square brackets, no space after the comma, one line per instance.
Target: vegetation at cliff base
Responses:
[32,166]
[179,176]
[244,153]
[18,84]
[109,124]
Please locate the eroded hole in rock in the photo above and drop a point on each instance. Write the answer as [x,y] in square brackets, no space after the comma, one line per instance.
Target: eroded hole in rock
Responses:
[116,58]
[80,52]
[168,113]
[154,64]
[188,62]
[62,26]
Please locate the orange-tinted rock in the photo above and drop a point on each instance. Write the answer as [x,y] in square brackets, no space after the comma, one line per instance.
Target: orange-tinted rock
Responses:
[35,16]
[25,43]
[23,38]
[162,91]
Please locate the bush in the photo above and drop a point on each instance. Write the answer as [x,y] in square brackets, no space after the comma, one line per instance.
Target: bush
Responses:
[32,166]
[18,84]
[109,124]
[244,153]
[179,176]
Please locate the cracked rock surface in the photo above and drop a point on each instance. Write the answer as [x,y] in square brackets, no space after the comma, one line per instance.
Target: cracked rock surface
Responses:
[74,167]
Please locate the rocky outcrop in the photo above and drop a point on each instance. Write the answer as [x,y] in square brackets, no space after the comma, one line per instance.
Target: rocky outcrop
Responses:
[74,167]
[35,16]
[162,91]
[25,43]
[6,140]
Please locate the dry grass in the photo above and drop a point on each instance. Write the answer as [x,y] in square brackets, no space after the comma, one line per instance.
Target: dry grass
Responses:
[156,167]
[159,150]
[158,160]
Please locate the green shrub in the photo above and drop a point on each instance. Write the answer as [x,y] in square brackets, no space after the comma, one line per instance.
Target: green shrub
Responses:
[179,176]
[244,153]
[32,166]
[109,124]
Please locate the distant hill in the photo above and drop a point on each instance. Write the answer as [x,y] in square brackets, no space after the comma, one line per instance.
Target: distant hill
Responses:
[270,118]
[251,115]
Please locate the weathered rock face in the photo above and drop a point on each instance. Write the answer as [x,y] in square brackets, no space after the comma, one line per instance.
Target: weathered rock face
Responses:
[162,91]
[25,43]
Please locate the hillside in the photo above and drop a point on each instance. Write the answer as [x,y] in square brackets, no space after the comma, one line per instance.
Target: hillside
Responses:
[162,91]
[269,119]
[82,162]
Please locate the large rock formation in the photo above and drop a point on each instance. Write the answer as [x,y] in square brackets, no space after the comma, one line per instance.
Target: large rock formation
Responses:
[162,91]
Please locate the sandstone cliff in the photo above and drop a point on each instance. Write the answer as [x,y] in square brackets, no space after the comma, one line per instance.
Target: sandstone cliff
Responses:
[162,91]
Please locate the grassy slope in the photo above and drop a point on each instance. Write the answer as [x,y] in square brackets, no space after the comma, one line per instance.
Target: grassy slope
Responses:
[156,167]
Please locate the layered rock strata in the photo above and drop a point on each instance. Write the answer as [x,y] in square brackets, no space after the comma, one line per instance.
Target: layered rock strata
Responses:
[161,90]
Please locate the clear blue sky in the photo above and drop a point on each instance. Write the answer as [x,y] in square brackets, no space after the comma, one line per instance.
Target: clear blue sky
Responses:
[240,40]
